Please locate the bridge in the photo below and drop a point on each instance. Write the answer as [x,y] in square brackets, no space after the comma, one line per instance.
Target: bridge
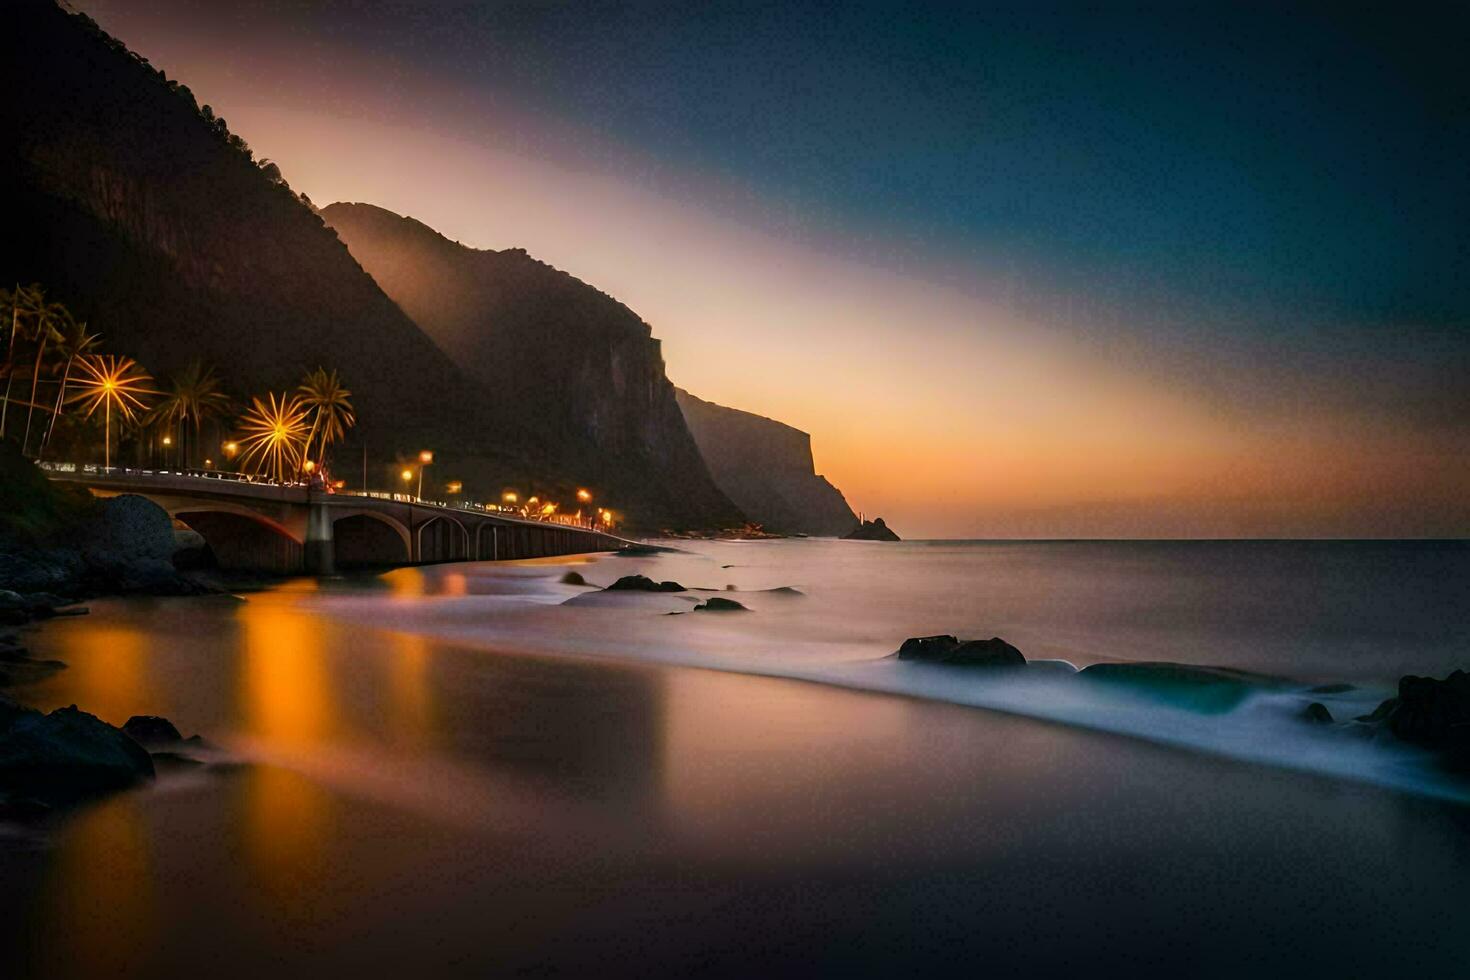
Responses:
[289,529]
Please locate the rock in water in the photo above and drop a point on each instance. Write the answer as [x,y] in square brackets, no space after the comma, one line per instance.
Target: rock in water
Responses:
[993,652]
[1430,712]
[67,756]
[874,530]
[716,604]
[573,578]
[1317,714]
[642,583]
[151,730]
[949,650]
[931,648]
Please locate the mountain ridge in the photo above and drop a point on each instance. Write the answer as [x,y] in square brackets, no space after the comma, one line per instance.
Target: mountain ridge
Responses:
[137,208]
[563,353]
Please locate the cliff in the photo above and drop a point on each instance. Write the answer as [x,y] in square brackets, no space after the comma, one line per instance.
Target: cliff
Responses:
[137,208]
[558,353]
[766,468]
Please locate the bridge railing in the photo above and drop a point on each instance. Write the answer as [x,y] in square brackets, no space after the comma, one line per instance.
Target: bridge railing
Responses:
[92,471]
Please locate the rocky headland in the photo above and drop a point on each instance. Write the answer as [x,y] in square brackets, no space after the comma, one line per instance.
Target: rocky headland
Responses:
[874,530]
[767,468]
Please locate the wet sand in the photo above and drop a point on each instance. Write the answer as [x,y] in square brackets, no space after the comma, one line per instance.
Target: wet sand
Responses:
[422,807]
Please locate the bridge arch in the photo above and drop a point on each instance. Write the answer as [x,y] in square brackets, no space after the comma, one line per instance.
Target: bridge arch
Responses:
[487,541]
[442,538]
[369,538]
[242,539]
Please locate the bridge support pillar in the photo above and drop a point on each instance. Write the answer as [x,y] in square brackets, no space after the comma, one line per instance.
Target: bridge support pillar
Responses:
[319,548]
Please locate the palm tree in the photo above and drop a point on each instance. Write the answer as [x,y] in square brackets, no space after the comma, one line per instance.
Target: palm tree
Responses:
[22,301]
[106,381]
[331,411]
[48,316]
[274,436]
[193,395]
[76,340]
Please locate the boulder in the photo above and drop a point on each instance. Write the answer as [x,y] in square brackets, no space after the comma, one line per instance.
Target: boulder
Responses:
[150,730]
[573,578]
[1317,714]
[717,604]
[931,648]
[993,652]
[67,756]
[1429,712]
[642,583]
[129,528]
[946,649]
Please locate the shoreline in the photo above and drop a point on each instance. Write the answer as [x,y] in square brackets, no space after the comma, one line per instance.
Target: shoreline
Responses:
[538,811]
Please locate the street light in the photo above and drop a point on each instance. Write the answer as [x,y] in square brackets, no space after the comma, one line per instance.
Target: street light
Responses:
[425,458]
[453,486]
[407,475]
[584,496]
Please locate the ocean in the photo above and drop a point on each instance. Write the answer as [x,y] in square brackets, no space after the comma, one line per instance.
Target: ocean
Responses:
[480,769]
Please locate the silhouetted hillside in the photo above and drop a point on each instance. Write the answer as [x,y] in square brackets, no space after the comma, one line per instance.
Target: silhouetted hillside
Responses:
[569,359]
[766,467]
[147,217]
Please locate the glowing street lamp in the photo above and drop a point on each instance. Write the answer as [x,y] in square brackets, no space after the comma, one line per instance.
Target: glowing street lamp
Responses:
[407,475]
[454,486]
[425,458]
[584,496]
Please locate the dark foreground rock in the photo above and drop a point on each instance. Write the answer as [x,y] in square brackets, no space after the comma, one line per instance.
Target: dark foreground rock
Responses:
[950,650]
[151,730]
[18,668]
[642,583]
[1429,712]
[60,540]
[65,757]
[874,530]
[716,604]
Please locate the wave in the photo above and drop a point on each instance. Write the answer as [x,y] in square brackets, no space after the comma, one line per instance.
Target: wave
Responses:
[1235,714]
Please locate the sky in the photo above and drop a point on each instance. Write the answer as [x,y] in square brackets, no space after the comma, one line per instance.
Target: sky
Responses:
[1021,270]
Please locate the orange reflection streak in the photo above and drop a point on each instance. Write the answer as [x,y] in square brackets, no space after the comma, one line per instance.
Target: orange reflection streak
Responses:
[100,893]
[108,672]
[410,694]
[288,699]
[406,581]
[288,823]
[289,707]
